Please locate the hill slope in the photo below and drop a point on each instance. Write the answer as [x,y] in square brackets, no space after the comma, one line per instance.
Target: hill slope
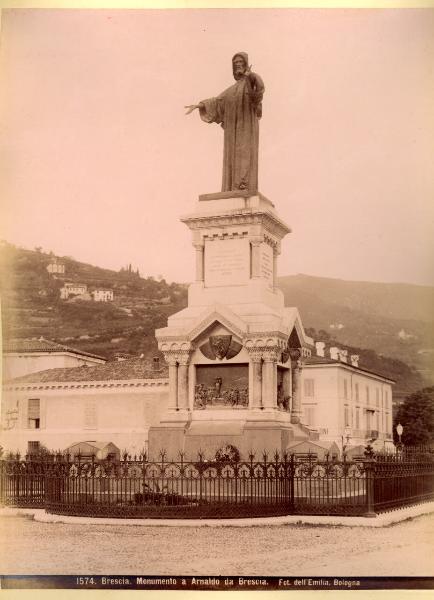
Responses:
[389,325]
[395,320]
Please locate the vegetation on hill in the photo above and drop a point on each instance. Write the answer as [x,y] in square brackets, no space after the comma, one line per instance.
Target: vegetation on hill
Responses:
[397,320]
[32,307]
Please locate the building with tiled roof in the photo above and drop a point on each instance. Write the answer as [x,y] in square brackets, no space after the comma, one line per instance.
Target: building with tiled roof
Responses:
[115,402]
[344,402]
[134,368]
[24,356]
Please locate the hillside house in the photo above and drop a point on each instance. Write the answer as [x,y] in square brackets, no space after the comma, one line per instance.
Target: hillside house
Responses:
[102,295]
[24,356]
[72,289]
[56,266]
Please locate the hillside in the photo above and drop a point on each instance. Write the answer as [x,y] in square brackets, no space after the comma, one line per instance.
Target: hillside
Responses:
[31,304]
[397,320]
[393,319]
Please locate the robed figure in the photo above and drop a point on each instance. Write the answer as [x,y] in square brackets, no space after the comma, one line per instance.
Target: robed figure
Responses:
[238,110]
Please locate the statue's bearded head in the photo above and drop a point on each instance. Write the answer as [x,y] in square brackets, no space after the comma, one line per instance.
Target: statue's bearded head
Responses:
[240,63]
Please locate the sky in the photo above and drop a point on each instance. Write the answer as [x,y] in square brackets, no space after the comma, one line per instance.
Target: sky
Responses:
[98,160]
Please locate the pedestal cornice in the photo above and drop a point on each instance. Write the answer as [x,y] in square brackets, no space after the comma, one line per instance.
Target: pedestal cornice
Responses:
[239,217]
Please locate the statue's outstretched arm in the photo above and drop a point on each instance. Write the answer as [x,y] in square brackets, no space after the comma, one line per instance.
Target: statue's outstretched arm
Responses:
[191,107]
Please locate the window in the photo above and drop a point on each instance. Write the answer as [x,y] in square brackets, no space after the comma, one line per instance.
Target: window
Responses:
[357,417]
[386,398]
[33,413]
[367,395]
[309,389]
[33,447]
[345,389]
[356,390]
[378,421]
[377,397]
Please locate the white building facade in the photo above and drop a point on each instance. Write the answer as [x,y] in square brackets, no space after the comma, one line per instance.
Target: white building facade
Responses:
[56,267]
[347,404]
[102,295]
[58,414]
[72,289]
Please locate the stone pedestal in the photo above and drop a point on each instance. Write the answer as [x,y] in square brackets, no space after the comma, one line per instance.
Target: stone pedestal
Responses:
[229,350]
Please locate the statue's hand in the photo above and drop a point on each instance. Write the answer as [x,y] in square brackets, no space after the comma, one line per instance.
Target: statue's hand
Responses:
[191,108]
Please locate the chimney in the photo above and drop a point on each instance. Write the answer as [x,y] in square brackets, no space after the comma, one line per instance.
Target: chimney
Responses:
[334,353]
[156,363]
[320,348]
[355,360]
[343,356]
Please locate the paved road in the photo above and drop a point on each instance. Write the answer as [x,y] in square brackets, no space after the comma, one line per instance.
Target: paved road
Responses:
[30,547]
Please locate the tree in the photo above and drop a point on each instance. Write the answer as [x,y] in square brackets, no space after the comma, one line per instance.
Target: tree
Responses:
[416,415]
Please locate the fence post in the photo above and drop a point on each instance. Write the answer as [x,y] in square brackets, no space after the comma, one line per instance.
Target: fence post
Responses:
[291,482]
[369,478]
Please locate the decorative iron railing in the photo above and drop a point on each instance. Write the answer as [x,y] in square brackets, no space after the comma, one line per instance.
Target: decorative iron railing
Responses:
[161,488]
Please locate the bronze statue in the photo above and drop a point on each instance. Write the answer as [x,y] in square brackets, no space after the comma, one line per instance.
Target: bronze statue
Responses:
[238,110]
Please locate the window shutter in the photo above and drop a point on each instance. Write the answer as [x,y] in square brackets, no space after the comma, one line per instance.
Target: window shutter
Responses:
[34,408]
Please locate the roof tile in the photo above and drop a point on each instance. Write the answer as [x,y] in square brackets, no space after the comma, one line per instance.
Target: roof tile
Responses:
[135,368]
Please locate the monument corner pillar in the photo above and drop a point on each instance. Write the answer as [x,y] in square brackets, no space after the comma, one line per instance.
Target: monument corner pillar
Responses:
[255,400]
[269,379]
[296,367]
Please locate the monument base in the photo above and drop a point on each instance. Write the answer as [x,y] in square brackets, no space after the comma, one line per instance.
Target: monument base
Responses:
[207,436]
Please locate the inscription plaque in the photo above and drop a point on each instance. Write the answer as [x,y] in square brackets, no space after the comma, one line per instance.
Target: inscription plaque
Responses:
[227,262]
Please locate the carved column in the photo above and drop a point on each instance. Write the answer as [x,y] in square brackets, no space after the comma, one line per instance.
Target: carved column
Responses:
[184,360]
[173,381]
[269,379]
[296,365]
[256,363]
[200,247]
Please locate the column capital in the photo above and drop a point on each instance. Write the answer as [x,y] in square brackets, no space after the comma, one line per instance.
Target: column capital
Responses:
[255,354]
[180,357]
[184,357]
[170,358]
[272,354]
[268,346]
[295,355]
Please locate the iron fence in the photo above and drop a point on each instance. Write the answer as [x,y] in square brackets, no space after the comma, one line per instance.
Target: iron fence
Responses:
[279,485]
[402,478]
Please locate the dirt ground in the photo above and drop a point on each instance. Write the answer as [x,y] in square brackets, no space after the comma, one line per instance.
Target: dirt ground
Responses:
[30,547]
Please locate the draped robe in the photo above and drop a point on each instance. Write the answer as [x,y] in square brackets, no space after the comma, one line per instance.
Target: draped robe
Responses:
[238,110]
